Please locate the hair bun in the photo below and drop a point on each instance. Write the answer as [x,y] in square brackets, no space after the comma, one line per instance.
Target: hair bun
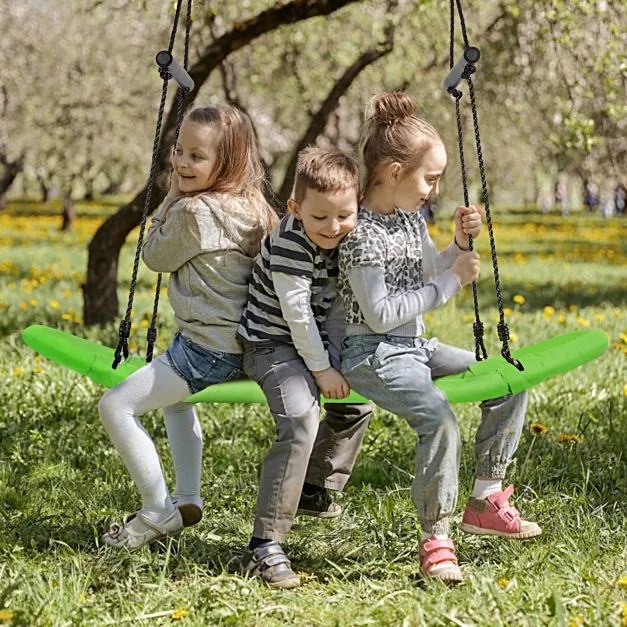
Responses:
[391,107]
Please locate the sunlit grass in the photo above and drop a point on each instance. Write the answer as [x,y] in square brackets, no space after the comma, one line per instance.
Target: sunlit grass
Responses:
[61,482]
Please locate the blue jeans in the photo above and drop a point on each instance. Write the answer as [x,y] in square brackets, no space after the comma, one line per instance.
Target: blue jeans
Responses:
[200,366]
[397,374]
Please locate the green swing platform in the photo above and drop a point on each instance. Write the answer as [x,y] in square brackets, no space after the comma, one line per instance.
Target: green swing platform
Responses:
[486,379]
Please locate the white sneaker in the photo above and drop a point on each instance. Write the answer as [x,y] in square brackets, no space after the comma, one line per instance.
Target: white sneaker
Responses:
[191,508]
[140,530]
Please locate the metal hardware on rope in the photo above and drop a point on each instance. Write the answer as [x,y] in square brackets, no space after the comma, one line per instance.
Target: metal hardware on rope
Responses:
[168,65]
[125,325]
[470,57]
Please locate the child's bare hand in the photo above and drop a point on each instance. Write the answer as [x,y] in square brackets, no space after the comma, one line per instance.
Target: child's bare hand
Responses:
[174,191]
[331,383]
[467,222]
[466,267]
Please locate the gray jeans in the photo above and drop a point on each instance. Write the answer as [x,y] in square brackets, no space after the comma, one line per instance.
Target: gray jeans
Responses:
[396,373]
[321,453]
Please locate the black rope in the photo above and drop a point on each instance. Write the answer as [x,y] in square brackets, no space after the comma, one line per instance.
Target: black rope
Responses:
[502,328]
[478,327]
[181,98]
[125,325]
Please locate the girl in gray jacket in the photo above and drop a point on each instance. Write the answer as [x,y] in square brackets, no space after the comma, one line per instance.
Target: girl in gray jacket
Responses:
[205,234]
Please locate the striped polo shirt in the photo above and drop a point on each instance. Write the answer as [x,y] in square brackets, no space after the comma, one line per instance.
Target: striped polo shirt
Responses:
[287,249]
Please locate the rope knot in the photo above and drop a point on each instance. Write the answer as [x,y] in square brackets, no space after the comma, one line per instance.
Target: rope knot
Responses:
[455,93]
[125,329]
[469,70]
[503,331]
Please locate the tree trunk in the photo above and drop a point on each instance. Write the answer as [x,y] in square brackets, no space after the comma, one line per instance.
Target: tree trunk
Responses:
[12,169]
[69,212]
[100,288]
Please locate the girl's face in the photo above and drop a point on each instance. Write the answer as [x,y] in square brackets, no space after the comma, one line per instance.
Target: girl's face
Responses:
[412,188]
[194,157]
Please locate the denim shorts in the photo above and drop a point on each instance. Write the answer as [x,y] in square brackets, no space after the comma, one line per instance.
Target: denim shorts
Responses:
[200,366]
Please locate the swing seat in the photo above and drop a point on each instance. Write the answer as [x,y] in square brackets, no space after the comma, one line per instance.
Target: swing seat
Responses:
[483,380]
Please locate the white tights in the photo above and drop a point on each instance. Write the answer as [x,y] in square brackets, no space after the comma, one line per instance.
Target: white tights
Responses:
[155,386]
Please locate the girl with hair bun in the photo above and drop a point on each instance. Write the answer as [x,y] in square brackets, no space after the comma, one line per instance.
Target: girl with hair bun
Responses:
[391,274]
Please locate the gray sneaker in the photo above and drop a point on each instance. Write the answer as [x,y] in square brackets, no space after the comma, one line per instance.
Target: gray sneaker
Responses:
[270,564]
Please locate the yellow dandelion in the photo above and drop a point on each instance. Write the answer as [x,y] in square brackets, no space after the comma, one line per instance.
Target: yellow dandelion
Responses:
[622,580]
[67,293]
[82,598]
[519,299]
[576,621]
[54,304]
[507,310]
[537,428]
[572,308]
[179,613]
[561,319]
[33,302]
[570,438]
[6,615]
[623,337]
[624,615]
[23,306]
[548,311]
[625,389]
[36,370]
[513,337]
[68,316]
[582,321]
[18,372]
[502,583]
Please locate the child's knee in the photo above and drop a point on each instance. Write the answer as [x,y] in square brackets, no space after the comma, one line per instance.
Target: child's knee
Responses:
[300,429]
[108,407]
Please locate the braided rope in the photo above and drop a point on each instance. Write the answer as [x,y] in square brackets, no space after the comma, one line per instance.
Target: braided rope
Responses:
[181,95]
[502,328]
[125,325]
[478,327]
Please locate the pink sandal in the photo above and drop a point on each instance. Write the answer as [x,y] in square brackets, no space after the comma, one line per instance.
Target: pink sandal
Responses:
[496,517]
[438,560]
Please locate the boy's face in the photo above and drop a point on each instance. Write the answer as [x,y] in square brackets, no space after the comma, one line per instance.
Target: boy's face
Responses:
[194,157]
[326,216]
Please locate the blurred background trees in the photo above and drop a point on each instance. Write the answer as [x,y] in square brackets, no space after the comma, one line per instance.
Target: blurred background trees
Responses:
[79,91]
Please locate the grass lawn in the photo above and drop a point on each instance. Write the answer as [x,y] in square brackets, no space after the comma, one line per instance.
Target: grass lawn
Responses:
[61,482]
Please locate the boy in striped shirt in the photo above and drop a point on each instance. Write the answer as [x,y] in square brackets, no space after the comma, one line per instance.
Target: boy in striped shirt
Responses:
[291,329]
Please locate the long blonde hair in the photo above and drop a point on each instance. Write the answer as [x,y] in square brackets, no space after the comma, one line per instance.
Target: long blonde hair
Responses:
[392,132]
[238,169]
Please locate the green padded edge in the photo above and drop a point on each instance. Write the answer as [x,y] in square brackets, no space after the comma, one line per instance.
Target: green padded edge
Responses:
[487,379]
